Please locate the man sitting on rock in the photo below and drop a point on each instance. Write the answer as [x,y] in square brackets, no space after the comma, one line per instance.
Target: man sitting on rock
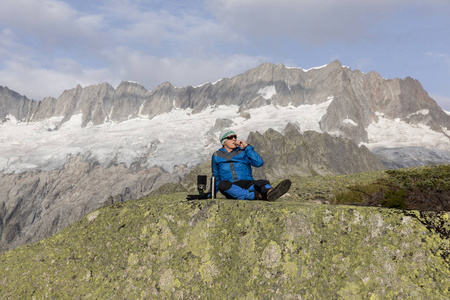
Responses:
[232,168]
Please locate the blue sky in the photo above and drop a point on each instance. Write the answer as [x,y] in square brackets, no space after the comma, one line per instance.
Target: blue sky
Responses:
[48,46]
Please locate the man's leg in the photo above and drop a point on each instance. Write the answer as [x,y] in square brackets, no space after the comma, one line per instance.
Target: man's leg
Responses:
[243,189]
[278,191]
[262,186]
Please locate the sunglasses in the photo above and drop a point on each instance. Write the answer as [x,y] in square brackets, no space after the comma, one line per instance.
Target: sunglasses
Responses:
[231,137]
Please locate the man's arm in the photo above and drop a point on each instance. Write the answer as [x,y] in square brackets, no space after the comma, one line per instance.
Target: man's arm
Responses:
[253,157]
[215,172]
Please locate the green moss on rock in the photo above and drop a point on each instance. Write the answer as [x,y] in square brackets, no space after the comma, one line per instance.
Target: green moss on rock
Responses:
[167,248]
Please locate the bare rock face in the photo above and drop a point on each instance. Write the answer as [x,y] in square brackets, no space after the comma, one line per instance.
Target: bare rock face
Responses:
[35,205]
[310,153]
[161,100]
[11,103]
[93,102]
[128,99]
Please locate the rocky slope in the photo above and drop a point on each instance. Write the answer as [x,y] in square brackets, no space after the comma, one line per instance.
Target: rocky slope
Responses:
[36,205]
[167,248]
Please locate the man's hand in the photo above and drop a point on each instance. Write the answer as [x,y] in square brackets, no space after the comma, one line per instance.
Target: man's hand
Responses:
[241,144]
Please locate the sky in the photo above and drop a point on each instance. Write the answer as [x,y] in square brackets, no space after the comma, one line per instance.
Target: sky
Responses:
[48,46]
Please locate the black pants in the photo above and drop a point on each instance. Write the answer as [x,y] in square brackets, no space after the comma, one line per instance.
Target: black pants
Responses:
[244,189]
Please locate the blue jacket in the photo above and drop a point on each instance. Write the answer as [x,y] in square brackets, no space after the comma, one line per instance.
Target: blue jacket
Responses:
[236,165]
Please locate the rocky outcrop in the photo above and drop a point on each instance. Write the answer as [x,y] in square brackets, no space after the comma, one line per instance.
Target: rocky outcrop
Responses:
[310,153]
[13,104]
[162,100]
[128,100]
[93,102]
[35,205]
[168,248]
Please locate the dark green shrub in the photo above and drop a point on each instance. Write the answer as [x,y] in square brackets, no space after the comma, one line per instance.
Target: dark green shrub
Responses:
[419,188]
[349,197]
[395,199]
[356,194]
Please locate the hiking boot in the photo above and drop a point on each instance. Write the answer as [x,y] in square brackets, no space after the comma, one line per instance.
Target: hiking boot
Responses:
[278,191]
[258,196]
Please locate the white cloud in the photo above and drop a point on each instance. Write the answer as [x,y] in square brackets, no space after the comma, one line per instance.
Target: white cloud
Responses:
[49,21]
[160,30]
[29,78]
[131,41]
[316,22]
[47,46]
[151,71]
[9,44]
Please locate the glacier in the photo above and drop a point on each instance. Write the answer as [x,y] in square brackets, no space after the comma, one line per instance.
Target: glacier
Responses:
[181,137]
[167,140]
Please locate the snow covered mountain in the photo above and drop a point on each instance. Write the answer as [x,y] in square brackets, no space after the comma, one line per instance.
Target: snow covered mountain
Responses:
[171,126]
[94,145]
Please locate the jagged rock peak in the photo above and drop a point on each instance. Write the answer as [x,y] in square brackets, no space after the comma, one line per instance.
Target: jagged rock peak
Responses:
[334,64]
[298,154]
[16,105]
[165,85]
[272,66]
[6,90]
[130,85]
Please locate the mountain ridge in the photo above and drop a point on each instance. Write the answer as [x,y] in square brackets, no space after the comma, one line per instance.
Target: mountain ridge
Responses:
[356,96]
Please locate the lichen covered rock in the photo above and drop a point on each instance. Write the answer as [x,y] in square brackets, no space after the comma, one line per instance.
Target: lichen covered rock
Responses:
[222,249]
